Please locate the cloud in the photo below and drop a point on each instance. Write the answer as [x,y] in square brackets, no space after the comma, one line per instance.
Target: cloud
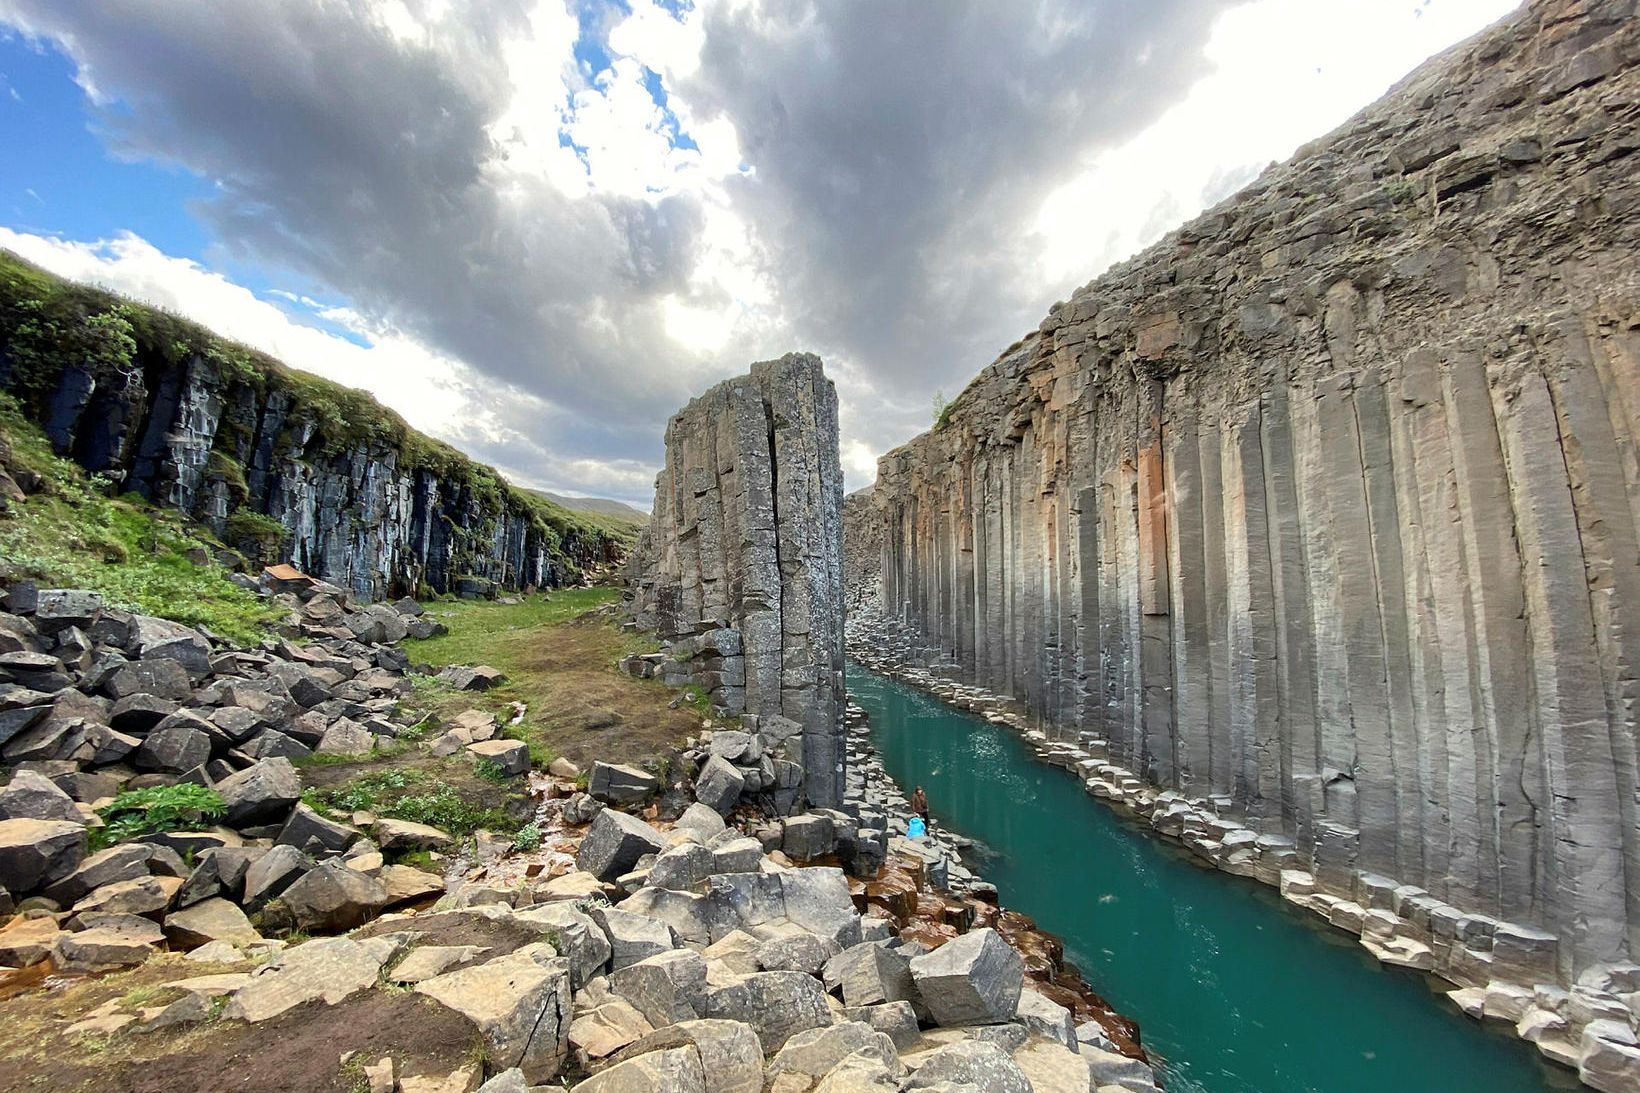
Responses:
[589,211]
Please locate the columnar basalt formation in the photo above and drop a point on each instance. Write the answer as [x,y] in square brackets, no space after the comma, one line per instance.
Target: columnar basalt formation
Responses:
[281,464]
[1328,504]
[740,570]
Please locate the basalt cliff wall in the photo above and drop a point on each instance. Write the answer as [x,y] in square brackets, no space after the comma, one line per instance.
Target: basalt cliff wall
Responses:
[1328,505]
[740,570]
[280,464]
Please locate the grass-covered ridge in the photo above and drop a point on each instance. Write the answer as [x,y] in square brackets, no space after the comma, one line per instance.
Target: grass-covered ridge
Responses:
[49,324]
[69,533]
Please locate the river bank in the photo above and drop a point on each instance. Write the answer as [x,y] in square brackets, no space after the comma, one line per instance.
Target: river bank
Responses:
[1495,970]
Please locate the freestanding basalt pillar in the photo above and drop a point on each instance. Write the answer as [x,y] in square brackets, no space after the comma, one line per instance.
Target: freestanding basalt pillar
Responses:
[740,570]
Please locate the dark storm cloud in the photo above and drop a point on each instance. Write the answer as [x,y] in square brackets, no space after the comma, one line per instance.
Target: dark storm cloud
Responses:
[899,152]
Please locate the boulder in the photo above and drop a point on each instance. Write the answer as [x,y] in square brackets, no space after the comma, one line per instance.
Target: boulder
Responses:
[316,835]
[615,784]
[174,748]
[163,678]
[328,969]
[521,1006]
[607,1029]
[346,737]
[138,714]
[479,678]
[142,895]
[737,856]
[897,1020]
[807,837]
[869,974]
[129,940]
[27,941]
[677,1070]
[684,868]
[406,884]
[974,979]
[974,1063]
[701,820]
[614,844]
[60,608]
[632,937]
[32,796]
[128,861]
[511,757]
[814,1053]
[718,786]
[576,936]
[268,877]
[36,852]
[260,793]
[777,1005]
[331,897]
[666,988]
[730,1054]
[1052,1067]
[1046,1018]
[400,835]
[207,921]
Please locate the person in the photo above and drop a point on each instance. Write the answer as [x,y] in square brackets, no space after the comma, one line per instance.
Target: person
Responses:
[919,803]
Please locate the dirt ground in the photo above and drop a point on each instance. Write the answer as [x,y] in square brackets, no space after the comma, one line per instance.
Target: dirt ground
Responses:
[298,1051]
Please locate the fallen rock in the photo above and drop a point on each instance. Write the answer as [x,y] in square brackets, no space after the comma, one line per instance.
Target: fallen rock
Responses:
[262,792]
[207,921]
[665,988]
[974,979]
[36,852]
[615,784]
[718,785]
[730,1053]
[400,835]
[511,757]
[614,844]
[521,1006]
[778,1005]
[330,969]
[677,1070]
[32,796]
[333,897]
[125,941]
[974,1063]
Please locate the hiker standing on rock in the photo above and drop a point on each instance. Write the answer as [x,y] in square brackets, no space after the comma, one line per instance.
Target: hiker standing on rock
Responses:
[919,803]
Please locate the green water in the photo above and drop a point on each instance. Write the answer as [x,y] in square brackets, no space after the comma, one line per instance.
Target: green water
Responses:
[1235,990]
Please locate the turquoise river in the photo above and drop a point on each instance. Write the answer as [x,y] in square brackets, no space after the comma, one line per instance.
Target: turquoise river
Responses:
[1234,990]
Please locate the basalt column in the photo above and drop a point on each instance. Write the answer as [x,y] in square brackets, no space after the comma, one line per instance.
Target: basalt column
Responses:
[740,570]
[1327,506]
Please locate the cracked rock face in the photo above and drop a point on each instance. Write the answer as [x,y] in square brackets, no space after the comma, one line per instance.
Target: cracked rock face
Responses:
[1326,505]
[741,567]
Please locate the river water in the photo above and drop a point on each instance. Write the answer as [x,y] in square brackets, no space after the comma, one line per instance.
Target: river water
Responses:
[1236,991]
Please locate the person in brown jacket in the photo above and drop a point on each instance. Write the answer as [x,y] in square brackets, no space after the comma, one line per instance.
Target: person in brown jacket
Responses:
[919,803]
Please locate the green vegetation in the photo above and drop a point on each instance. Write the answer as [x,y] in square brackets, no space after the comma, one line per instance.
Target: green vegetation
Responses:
[69,533]
[48,325]
[619,526]
[486,632]
[528,837]
[139,812]
[418,795]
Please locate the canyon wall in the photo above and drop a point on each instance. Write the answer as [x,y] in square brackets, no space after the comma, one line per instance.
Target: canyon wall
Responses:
[1327,505]
[740,570]
[282,465]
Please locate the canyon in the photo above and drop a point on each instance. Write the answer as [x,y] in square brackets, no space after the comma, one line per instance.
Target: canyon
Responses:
[281,465]
[1325,509]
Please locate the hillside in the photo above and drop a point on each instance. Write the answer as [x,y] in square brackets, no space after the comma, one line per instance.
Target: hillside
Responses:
[281,464]
[622,520]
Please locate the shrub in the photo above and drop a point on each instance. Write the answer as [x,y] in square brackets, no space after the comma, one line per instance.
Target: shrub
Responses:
[139,812]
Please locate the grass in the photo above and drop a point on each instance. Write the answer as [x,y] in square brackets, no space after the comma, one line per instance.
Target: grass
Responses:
[560,663]
[72,534]
[420,795]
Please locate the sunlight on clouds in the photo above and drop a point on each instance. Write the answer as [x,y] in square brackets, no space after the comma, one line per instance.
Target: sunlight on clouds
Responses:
[1284,72]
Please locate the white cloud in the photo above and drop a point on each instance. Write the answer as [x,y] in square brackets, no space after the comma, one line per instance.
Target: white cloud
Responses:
[434,392]
[1283,72]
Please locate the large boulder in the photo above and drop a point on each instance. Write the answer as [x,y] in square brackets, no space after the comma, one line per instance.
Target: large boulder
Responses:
[36,852]
[209,920]
[176,746]
[576,936]
[778,1005]
[974,979]
[718,785]
[398,835]
[520,1004]
[121,941]
[870,973]
[616,784]
[33,796]
[972,1063]
[665,988]
[332,897]
[317,835]
[262,792]
[730,1053]
[128,861]
[614,843]
[632,937]
[812,1054]
[677,1070]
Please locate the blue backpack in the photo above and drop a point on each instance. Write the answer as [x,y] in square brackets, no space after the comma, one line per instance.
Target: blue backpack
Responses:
[916,829]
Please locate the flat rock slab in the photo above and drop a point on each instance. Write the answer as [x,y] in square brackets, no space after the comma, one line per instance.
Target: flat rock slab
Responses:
[328,969]
[520,1004]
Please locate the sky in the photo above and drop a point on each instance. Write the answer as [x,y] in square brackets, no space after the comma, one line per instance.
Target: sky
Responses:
[536,228]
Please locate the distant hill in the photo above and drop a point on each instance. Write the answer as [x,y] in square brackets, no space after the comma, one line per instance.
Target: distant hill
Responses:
[615,518]
[618,510]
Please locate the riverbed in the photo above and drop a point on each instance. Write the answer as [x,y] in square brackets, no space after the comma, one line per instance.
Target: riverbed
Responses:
[1234,990]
